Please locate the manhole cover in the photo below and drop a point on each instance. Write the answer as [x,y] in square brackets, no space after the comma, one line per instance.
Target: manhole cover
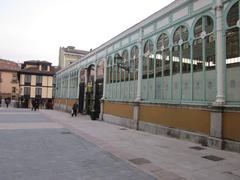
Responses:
[197,148]
[213,158]
[139,161]
[66,132]
[123,129]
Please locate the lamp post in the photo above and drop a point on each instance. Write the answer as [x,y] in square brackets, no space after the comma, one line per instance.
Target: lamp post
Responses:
[120,64]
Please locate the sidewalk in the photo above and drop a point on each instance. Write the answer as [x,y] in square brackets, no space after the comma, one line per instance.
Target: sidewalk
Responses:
[165,158]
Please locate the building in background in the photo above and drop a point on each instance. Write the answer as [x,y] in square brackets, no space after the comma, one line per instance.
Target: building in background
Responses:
[9,85]
[36,81]
[69,54]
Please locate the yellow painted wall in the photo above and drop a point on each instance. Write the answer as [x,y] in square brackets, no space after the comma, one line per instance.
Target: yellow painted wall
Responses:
[193,120]
[44,92]
[22,79]
[49,94]
[231,125]
[62,101]
[32,92]
[45,81]
[70,102]
[33,80]
[50,81]
[124,110]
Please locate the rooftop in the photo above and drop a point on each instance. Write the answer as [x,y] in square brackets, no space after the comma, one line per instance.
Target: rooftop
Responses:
[71,49]
[7,65]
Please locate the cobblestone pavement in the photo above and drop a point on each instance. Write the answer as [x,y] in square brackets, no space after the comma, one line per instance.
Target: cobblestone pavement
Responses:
[34,148]
[165,158]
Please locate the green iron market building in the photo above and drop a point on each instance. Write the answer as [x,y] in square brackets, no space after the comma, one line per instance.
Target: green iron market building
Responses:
[176,73]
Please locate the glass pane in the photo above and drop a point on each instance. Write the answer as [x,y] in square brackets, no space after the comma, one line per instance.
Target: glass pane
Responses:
[165,41]
[114,73]
[233,15]
[148,48]
[198,28]
[186,59]
[151,66]
[232,51]
[208,24]
[125,61]
[126,72]
[134,52]
[162,41]
[159,64]
[197,55]
[177,36]
[111,72]
[131,69]
[176,60]
[100,70]
[145,66]
[210,63]
[136,68]
[184,33]
[125,54]
[166,62]
[118,73]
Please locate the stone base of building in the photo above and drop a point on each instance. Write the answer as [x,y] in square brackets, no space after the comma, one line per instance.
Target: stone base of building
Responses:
[61,107]
[129,123]
[202,139]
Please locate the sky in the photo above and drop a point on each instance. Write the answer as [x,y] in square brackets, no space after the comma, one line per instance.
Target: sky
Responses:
[35,29]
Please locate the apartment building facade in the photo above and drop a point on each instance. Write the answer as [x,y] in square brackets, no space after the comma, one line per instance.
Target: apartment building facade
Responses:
[9,84]
[36,81]
[69,55]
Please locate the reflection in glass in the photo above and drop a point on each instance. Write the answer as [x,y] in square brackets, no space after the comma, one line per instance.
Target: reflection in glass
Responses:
[197,55]
[233,15]
[186,59]
[176,60]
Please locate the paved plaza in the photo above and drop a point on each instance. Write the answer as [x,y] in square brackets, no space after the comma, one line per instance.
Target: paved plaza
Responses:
[34,148]
[52,145]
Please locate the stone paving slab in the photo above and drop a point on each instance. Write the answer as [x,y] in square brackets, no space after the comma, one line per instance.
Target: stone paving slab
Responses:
[48,154]
[29,116]
[47,151]
[12,126]
[170,158]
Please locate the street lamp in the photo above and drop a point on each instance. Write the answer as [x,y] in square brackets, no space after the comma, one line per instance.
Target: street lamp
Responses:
[120,64]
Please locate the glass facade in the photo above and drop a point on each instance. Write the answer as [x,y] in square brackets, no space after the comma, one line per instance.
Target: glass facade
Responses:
[232,54]
[178,62]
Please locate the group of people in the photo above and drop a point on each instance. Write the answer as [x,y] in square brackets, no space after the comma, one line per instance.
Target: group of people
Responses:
[35,104]
[6,100]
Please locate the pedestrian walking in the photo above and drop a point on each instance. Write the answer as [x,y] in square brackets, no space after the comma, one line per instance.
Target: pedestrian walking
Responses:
[33,104]
[37,102]
[7,101]
[74,109]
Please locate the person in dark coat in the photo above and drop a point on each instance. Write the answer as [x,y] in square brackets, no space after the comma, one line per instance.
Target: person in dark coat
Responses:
[74,109]
[7,101]
[33,104]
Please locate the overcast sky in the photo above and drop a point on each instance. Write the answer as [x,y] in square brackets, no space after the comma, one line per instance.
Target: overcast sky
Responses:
[35,29]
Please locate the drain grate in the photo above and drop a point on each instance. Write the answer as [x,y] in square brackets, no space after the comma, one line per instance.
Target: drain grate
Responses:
[139,161]
[199,148]
[213,158]
[123,129]
[66,132]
